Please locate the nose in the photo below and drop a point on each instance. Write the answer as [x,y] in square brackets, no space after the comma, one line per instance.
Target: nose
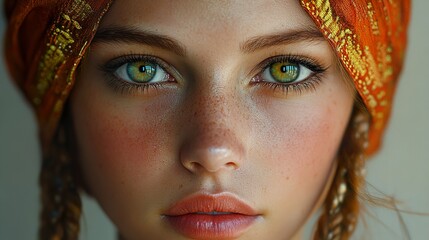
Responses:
[212,151]
[213,141]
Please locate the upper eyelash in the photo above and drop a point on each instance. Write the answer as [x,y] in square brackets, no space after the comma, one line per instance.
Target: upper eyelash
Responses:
[308,84]
[112,65]
[305,61]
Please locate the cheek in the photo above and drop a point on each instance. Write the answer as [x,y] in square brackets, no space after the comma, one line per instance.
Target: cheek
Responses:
[303,152]
[118,144]
[303,136]
[298,149]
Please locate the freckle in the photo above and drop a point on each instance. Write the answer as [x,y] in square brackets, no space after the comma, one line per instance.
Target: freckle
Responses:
[316,174]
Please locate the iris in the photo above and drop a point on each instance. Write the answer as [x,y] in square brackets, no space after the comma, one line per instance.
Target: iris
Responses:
[141,72]
[285,72]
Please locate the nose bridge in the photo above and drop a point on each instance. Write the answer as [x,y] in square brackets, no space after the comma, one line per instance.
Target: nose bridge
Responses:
[215,113]
[212,108]
[213,141]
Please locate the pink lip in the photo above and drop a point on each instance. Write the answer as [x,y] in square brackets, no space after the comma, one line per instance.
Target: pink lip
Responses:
[194,216]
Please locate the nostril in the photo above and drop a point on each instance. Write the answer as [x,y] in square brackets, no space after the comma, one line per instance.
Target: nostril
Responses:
[231,165]
[198,167]
[193,166]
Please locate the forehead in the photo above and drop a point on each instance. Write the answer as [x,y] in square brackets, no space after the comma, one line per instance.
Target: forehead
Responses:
[209,18]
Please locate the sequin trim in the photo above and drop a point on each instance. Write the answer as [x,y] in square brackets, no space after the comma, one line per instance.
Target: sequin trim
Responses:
[63,35]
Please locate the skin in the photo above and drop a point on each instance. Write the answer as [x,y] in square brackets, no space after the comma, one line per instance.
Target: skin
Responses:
[212,130]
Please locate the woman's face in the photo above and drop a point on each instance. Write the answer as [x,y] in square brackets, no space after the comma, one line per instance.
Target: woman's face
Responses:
[209,119]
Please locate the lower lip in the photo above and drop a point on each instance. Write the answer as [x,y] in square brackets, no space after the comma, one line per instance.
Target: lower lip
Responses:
[205,226]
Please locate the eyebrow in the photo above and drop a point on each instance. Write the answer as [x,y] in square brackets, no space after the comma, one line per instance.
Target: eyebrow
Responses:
[282,38]
[132,35]
[120,34]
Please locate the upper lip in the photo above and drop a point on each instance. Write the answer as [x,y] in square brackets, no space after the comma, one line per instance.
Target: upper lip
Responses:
[210,203]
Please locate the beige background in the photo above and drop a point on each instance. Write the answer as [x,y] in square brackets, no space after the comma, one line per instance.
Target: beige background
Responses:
[401,169]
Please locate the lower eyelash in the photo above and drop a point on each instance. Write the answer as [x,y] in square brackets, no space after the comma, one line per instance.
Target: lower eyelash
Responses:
[126,88]
[309,84]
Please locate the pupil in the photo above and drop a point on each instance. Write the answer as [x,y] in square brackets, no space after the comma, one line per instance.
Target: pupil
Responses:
[284,68]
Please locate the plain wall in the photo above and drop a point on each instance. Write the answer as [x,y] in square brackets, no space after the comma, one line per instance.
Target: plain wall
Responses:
[401,169]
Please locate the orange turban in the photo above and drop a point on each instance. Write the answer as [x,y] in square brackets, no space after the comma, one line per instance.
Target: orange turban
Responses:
[369,37]
[46,39]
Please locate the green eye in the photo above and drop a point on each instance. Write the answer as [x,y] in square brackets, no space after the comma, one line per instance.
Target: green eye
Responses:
[141,72]
[284,72]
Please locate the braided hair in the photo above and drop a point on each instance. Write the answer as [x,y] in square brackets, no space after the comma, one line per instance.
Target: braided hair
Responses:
[59,182]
